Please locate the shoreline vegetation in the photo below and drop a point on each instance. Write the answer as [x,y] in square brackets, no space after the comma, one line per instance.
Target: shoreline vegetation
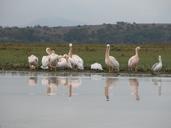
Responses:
[13,56]
[120,32]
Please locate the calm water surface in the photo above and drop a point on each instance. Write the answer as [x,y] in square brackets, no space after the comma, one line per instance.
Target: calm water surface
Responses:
[41,100]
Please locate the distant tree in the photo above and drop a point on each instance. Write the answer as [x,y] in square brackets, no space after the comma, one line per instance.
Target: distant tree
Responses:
[121,32]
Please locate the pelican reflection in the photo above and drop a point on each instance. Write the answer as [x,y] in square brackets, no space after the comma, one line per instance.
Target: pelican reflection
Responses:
[52,84]
[134,85]
[32,80]
[109,83]
[157,82]
[71,84]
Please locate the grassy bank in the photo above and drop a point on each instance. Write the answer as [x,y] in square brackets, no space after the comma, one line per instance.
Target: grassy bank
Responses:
[14,56]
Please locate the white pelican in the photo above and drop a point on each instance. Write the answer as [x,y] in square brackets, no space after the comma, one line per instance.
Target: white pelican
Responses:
[96,66]
[33,61]
[45,62]
[157,66]
[63,62]
[46,59]
[110,61]
[134,60]
[53,59]
[75,60]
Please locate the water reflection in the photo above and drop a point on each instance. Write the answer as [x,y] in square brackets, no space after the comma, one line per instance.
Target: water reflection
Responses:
[69,83]
[157,82]
[32,81]
[134,85]
[109,83]
[27,106]
[53,85]
[72,83]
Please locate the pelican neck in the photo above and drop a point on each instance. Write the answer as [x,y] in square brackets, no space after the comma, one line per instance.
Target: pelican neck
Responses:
[70,51]
[107,52]
[136,52]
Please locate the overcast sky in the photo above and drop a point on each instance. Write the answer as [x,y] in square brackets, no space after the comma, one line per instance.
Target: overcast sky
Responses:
[25,12]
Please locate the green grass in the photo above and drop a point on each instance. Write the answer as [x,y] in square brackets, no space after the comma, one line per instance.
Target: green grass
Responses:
[14,56]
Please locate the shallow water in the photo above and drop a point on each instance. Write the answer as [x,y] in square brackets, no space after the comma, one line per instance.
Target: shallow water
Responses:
[32,100]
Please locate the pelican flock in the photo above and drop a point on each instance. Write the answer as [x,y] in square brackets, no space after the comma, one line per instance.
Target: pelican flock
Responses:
[73,61]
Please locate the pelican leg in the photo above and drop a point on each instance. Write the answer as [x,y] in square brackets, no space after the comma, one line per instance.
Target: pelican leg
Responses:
[129,69]
[50,67]
[112,69]
[30,66]
[36,67]
[118,70]
[109,69]
[136,69]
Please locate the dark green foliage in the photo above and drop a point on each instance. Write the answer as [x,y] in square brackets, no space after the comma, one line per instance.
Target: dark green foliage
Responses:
[106,33]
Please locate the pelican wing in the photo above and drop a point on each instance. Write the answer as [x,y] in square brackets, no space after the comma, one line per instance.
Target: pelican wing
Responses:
[130,61]
[157,67]
[114,62]
[45,62]
[78,61]
[63,63]
[53,57]
[154,66]
[133,61]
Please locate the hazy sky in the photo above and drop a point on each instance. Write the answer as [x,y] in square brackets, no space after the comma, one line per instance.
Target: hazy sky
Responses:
[25,12]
